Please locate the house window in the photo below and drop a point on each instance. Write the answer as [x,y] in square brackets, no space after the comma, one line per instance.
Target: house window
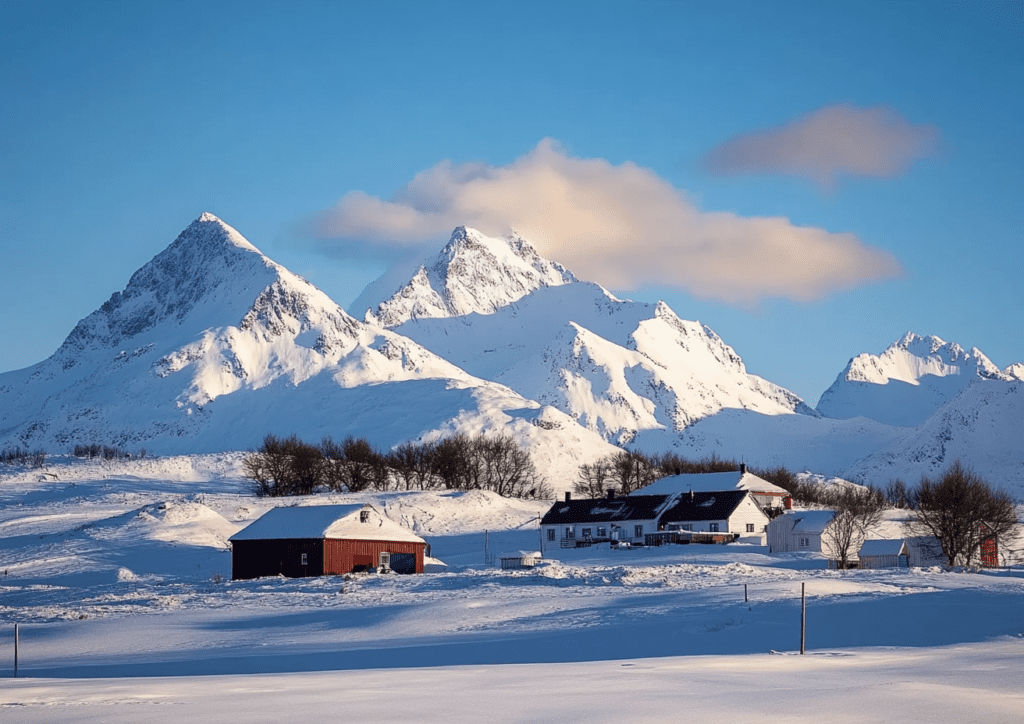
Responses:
[602,532]
[686,526]
[551,533]
[586,532]
[364,516]
[805,542]
[750,527]
[638,531]
[569,534]
[713,527]
[304,559]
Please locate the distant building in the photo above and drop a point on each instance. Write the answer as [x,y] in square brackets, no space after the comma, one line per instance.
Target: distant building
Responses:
[319,540]
[884,553]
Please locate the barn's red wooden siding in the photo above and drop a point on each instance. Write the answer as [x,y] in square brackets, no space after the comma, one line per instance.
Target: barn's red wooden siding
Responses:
[340,555]
[989,548]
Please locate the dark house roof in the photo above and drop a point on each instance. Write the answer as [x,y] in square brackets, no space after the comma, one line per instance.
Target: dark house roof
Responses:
[704,506]
[601,510]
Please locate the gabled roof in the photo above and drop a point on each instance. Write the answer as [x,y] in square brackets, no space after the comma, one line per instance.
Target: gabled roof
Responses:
[883,547]
[605,510]
[325,521]
[704,506]
[710,482]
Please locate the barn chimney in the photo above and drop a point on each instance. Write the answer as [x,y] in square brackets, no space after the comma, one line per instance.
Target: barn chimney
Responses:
[743,468]
[568,496]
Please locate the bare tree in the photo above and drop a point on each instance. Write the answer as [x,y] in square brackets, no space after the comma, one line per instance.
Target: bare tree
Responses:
[507,469]
[410,464]
[963,512]
[593,479]
[857,511]
[632,470]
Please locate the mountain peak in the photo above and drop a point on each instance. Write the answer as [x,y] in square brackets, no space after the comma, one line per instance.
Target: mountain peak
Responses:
[473,273]
[208,266]
[907,382]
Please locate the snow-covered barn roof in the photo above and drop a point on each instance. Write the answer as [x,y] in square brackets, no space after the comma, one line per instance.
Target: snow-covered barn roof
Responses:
[882,547]
[325,521]
[812,521]
[710,482]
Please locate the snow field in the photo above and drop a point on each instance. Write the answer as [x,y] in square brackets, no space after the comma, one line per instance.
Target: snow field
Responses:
[110,572]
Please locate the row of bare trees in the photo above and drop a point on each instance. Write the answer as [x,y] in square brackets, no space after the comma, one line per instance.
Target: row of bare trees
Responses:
[289,466]
[18,456]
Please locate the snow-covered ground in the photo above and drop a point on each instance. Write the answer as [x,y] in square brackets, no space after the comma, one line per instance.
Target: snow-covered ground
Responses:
[119,578]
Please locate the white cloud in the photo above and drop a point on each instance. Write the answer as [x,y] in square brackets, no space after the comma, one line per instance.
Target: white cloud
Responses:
[828,143]
[623,226]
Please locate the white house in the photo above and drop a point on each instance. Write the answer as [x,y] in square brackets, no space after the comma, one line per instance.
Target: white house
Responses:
[575,523]
[801,531]
[724,511]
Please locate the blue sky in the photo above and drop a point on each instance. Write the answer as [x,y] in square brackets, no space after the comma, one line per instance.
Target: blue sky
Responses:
[122,122]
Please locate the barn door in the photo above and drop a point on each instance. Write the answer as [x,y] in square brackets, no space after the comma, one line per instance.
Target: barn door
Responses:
[403,562]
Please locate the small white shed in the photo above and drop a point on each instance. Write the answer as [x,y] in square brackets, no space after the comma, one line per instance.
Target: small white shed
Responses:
[519,559]
[884,553]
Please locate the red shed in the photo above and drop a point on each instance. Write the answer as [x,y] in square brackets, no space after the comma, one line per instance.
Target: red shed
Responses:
[318,540]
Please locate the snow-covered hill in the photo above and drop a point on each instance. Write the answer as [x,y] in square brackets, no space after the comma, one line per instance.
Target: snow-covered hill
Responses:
[909,381]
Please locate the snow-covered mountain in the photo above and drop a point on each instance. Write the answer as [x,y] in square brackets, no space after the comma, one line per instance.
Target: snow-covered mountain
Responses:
[909,381]
[211,345]
[983,426]
[616,367]
[472,273]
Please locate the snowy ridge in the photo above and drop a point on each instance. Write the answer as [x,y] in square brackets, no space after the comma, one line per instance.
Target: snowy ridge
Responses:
[616,367]
[908,382]
[981,426]
[472,273]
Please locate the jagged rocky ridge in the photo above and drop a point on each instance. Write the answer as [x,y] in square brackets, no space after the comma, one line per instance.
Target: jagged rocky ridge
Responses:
[909,381]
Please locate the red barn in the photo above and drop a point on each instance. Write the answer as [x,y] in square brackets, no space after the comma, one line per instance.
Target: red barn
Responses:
[319,540]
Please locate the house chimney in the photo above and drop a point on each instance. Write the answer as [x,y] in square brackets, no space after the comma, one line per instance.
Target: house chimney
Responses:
[743,468]
[611,493]
[568,496]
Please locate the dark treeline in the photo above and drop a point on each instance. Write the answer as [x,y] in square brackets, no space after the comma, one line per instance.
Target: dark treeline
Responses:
[290,466]
[17,456]
[93,451]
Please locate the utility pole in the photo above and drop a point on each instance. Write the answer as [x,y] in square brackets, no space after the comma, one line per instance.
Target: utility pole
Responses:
[803,617]
[15,651]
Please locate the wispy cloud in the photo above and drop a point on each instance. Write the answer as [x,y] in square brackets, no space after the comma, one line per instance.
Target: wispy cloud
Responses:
[623,226]
[827,144]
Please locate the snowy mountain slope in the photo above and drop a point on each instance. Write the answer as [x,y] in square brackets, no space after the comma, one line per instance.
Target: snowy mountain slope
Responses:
[982,426]
[908,382]
[211,345]
[615,366]
[472,273]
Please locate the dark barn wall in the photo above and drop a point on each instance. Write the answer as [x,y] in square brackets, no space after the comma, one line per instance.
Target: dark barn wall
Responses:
[341,556]
[261,558]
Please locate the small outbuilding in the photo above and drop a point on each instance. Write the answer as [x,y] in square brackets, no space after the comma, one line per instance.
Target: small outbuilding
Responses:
[318,540]
[884,553]
[519,559]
